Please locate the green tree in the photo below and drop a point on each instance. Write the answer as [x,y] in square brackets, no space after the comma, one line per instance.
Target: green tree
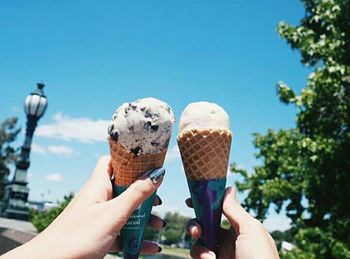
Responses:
[225,224]
[8,134]
[175,228]
[42,219]
[307,168]
[151,233]
[280,236]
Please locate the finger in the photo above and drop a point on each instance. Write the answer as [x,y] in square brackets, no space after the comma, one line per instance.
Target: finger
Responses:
[98,188]
[147,247]
[156,222]
[273,245]
[201,252]
[239,219]
[136,194]
[103,165]
[116,246]
[227,238]
[194,228]
[189,203]
[223,233]
[157,201]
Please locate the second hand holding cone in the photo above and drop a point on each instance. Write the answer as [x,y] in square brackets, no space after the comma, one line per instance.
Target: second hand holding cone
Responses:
[204,141]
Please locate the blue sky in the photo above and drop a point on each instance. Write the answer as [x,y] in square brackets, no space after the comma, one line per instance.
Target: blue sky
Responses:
[94,56]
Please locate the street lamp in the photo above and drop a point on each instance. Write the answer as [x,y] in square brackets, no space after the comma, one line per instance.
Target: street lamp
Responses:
[16,191]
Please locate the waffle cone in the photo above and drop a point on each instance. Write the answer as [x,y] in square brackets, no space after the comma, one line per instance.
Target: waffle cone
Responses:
[127,167]
[205,153]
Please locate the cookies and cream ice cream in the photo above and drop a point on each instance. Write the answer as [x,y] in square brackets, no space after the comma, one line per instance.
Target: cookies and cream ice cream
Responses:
[143,126]
[139,135]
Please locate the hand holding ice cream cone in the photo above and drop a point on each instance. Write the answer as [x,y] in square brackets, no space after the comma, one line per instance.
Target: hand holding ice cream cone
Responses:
[139,136]
[204,141]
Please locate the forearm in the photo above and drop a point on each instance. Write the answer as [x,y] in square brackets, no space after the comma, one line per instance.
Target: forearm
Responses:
[47,244]
[31,249]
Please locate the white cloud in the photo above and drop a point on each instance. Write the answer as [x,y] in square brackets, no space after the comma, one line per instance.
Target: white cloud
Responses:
[58,150]
[173,154]
[277,222]
[83,130]
[61,150]
[38,149]
[54,178]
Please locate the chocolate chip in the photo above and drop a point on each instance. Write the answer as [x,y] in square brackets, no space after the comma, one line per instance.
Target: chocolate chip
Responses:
[133,106]
[147,125]
[154,127]
[114,135]
[137,150]
[110,128]
[155,143]
[148,114]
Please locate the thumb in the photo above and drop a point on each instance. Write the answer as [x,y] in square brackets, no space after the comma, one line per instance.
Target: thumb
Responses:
[238,217]
[136,194]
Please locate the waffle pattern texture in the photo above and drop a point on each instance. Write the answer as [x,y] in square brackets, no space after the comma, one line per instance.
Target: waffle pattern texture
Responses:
[205,153]
[127,167]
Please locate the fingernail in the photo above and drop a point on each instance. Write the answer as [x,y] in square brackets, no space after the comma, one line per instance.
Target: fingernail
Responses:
[159,249]
[156,175]
[190,226]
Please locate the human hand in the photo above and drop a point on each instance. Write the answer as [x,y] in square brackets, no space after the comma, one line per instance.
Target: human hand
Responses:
[89,226]
[246,239]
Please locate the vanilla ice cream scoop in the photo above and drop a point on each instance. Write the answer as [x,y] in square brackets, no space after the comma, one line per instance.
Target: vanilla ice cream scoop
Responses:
[203,115]
[143,126]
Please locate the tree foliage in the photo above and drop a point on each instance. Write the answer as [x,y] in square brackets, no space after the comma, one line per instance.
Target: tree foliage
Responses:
[307,168]
[280,236]
[8,134]
[42,219]
[175,228]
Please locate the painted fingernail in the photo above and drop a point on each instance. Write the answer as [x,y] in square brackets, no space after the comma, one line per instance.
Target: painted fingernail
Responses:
[190,226]
[156,175]
[159,249]
[212,254]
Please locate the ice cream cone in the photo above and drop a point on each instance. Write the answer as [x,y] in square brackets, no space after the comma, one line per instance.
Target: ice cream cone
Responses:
[205,153]
[127,167]
[138,139]
[204,141]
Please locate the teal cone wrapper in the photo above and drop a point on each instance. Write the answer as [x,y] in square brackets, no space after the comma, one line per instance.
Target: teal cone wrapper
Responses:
[133,231]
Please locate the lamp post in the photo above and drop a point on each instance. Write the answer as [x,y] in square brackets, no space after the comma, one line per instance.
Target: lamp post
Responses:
[16,191]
